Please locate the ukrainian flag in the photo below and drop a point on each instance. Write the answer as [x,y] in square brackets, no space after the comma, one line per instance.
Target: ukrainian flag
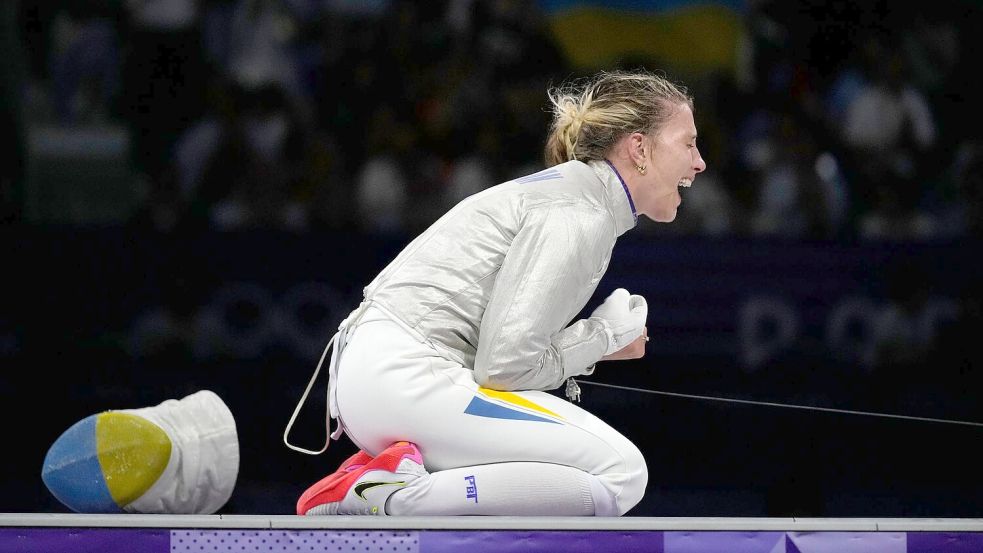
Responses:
[694,36]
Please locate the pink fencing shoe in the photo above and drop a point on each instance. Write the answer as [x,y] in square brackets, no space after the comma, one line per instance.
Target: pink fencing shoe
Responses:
[363,485]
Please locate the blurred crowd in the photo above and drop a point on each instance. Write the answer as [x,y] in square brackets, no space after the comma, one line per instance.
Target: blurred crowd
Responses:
[841,121]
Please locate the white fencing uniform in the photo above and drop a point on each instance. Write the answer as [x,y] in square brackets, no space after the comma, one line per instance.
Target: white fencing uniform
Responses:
[459,333]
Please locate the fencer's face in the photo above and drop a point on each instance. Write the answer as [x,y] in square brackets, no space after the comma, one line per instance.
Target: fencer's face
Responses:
[672,161]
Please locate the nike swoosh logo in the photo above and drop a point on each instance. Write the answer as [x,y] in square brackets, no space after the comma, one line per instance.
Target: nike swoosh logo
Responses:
[363,487]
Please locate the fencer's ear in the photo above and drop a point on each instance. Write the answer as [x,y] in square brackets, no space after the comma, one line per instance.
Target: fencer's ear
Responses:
[636,148]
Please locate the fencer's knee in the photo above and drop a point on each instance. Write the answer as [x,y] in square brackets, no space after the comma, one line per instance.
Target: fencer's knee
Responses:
[636,477]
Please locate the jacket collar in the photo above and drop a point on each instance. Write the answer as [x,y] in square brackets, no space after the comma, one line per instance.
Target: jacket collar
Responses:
[617,196]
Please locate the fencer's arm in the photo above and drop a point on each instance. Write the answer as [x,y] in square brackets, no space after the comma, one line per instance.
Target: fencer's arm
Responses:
[551,270]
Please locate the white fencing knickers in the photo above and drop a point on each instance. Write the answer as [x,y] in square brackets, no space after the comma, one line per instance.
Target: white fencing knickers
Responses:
[537,453]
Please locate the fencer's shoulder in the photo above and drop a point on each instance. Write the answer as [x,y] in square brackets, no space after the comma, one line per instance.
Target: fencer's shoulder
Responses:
[574,172]
[577,169]
[572,177]
[570,170]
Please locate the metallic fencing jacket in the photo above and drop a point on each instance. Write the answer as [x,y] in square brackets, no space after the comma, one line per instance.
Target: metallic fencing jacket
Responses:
[494,283]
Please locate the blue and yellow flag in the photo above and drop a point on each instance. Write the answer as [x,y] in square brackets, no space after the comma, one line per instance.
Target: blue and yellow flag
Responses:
[700,36]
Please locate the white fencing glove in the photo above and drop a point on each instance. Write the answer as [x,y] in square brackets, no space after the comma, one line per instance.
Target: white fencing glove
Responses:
[623,316]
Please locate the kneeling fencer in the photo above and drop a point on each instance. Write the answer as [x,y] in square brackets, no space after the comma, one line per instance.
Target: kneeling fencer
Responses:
[438,375]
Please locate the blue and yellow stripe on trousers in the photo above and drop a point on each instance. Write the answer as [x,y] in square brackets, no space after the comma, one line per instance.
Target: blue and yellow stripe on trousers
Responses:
[496,404]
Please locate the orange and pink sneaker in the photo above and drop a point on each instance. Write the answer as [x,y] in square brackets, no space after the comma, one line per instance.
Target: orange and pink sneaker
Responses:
[362,485]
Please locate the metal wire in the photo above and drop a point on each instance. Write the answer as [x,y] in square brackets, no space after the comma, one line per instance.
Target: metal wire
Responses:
[784,405]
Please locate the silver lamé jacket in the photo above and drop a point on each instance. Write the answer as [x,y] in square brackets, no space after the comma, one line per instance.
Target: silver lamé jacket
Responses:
[495,282]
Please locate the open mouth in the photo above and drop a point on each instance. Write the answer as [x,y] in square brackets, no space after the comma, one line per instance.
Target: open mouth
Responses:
[685,182]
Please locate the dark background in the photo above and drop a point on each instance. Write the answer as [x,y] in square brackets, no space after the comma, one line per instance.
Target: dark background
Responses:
[195,192]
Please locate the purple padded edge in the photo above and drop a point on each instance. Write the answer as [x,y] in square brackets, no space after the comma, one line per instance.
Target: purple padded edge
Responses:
[945,542]
[84,540]
[143,540]
[721,540]
[535,541]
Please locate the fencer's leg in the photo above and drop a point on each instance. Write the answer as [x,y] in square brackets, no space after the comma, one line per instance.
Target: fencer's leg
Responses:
[518,489]
[528,452]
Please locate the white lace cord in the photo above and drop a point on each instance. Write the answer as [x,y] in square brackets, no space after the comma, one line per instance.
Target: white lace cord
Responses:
[303,398]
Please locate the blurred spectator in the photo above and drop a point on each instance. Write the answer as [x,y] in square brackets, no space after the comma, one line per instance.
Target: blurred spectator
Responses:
[888,126]
[165,209]
[382,183]
[262,36]
[895,214]
[888,113]
[197,144]
[356,9]
[957,198]
[935,47]
[243,163]
[516,46]
[475,168]
[85,58]
[932,48]
[34,19]
[465,81]
[325,187]
[164,76]
[799,196]
[357,64]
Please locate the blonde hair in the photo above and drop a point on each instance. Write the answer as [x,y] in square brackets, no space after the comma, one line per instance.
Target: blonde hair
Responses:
[589,116]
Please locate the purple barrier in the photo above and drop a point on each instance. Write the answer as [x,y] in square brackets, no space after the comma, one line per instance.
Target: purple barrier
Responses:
[142,540]
[948,542]
[294,541]
[541,541]
[845,542]
[729,542]
[84,540]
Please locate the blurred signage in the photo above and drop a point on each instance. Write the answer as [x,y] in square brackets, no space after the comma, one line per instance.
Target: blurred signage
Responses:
[741,301]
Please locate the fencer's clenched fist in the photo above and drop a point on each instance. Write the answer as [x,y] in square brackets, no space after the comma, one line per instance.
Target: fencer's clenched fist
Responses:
[623,316]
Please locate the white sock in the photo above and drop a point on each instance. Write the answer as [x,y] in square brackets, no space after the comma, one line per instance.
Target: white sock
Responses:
[521,489]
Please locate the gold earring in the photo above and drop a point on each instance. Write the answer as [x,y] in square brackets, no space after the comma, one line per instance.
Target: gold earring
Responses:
[641,169]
